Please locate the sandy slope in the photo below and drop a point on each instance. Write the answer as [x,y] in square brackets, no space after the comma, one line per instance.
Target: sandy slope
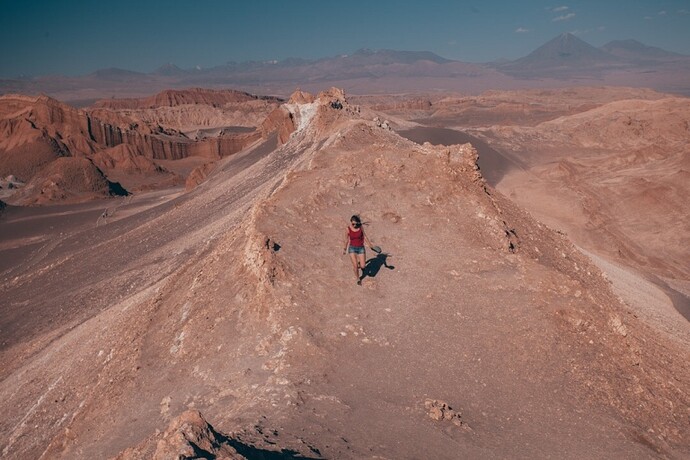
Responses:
[606,165]
[235,299]
[614,177]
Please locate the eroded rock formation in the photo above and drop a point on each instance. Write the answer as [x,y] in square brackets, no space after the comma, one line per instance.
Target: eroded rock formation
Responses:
[35,131]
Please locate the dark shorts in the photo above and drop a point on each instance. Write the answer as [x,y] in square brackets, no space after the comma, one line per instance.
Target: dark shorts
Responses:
[355,250]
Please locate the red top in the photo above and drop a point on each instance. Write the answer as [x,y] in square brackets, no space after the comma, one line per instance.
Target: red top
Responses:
[356,237]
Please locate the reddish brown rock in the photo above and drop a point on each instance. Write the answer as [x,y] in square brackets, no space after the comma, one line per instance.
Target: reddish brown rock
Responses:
[125,158]
[199,174]
[67,179]
[172,98]
[189,436]
[301,97]
[282,121]
[35,131]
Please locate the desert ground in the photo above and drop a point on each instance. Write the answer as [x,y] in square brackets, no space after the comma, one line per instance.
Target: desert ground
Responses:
[530,299]
[608,173]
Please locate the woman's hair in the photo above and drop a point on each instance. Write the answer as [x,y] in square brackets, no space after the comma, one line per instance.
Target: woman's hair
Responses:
[356,220]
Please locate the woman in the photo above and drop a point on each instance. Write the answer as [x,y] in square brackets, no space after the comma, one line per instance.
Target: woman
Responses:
[354,244]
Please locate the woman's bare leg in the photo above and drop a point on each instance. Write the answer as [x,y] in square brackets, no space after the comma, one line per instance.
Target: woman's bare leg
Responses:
[353,257]
[362,259]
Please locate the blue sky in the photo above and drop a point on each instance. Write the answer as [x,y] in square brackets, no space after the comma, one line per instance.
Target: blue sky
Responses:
[74,37]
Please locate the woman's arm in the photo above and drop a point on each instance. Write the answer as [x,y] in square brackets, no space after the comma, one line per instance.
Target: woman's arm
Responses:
[366,239]
[347,242]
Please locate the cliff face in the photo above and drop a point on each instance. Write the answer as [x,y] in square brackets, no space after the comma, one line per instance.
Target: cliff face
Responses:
[224,145]
[173,98]
[35,131]
[162,145]
[25,120]
[190,111]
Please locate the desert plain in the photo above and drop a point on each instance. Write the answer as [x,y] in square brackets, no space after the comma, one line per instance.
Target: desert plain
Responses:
[173,284]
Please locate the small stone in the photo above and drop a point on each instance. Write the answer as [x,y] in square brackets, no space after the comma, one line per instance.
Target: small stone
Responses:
[440,410]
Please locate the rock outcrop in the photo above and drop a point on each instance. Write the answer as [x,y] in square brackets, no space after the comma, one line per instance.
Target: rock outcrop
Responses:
[199,174]
[35,131]
[191,110]
[280,121]
[125,158]
[301,109]
[192,96]
[189,436]
[67,178]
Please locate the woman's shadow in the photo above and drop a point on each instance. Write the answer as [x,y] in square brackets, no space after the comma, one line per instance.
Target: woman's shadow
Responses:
[373,265]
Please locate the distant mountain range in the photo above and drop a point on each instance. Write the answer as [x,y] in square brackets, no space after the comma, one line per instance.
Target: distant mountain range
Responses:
[564,54]
[567,56]
[633,50]
[564,60]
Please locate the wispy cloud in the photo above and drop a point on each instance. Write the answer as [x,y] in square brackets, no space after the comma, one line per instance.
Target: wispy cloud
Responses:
[662,13]
[683,12]
[564,17]
[521,30]
[601,28]
[558,9]
[648,18]
[580,32]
